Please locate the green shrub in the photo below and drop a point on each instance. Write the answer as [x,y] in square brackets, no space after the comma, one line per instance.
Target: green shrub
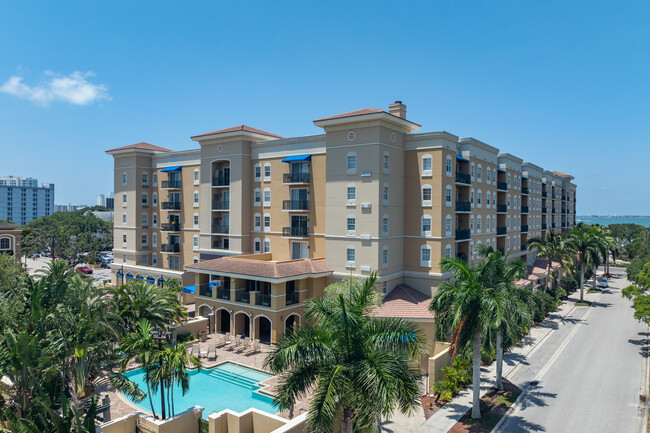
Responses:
[204,427]
[544,303]
[569,284]
[457,376]
[185,338]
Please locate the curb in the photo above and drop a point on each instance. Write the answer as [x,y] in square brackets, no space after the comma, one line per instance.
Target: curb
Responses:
[511,409]
[642,410]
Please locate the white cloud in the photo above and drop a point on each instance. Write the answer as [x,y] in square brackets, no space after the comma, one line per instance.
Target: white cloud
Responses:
[74,89]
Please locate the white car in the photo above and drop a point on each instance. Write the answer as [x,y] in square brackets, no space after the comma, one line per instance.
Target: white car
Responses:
[602,283]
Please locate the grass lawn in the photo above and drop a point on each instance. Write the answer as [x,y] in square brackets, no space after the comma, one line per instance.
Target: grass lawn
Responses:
[494,405]
[583,304]
[594,291]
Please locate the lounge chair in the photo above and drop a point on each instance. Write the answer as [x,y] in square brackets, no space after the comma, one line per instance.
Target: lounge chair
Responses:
[222,340]
[254,348]
[212,351]
[245,344]
[234,343]
[196,350]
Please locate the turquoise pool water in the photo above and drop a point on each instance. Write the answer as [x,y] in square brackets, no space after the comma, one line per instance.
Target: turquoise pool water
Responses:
[227,386]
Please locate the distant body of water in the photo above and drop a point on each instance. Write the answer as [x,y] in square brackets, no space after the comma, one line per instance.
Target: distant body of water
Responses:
[605,221]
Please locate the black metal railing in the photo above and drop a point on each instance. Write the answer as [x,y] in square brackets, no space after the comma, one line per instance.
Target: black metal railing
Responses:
[543,210]
[463,206]
[524,229]
[502,208]
[170,227]
[221,181]
[524,248]
[564,198]
[220,228]
[462,234]
[524,209]
[171,205]
[292,298]
[553,225]
[205,290]
[300,232]
[170,184]
[295,178]
[502,186]
[243,297]
[223,293]
[544,226]
[501,230]
[463,178]
[295,204]
[170,248]
[220,204]
[553,210]
[503,252]
[553,196]
[524,190]
[544,194]
[563,211]
[263,300]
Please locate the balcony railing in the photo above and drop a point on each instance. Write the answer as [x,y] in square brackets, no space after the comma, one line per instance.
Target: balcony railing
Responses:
[501,231]
[295,178]
[502,208]
[220,181]
[543,210]
[170,184]
[524,248]
[170,227]
[220,204]
[263,300]
[205,290]
[564,225]
[463,178]
[524,190]
[524,229]
[295,204]
[502,186]
[563,211]
[544,194]
[524,209]
[463,206]
[553,196]
[170,248]
[564,198]
[219,228]
[297,232]
[223,293]
[292,298]
[219,245]
[553,210]
[553,225]
[243,297]
[171,205]
[462,234]
[503,251]
[544,226]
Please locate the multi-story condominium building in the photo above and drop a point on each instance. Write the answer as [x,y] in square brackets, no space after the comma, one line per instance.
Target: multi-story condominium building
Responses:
[259,223]
[10,236]
[22,200]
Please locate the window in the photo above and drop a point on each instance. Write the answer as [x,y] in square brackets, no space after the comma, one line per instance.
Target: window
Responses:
[427,165]
[471,197]
[154,259]
[487,173]
[124,178]
[144,260]
[145,220]
[384,224]
[487,199]
[257,172]
[479,173]
[267,222]
[478,224]
[386,162]
[508,201]
[425,256]
[155,178]
[508,222]
[154,239]
[385,193]
[267,172]
[267,197]
[494,199]
[145,199]
[123,258]
[352,163]
[352,194]
[448,225]
[426,225]
[196,176]
[427,195]
[448,196]
[123,237]
[479,195]
[123,218]
[487,224]
[257,246]
[494,175]
[143,240]
[257,197]
[351,224]
[257,222]
[350,256]
[515,201]
[448,251]
[448,166]
[384,287]
[154,199]
[196,199]
[508,180]
[195,220]
[154,219]
[123,200]
[472,172]
[508,243]
[145,179]
[195,243]
[384,257]
[471,223]
[267,245]
[471,250]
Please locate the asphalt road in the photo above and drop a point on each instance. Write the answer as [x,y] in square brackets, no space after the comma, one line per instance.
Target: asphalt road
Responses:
[99,275]
[589,370]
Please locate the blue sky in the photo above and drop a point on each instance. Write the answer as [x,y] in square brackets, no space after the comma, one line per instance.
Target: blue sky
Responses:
[564,84]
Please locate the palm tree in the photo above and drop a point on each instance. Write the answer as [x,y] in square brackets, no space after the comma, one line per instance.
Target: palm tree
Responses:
[177,360]
[552,247]
[587,245]
[469,307]
[358,367]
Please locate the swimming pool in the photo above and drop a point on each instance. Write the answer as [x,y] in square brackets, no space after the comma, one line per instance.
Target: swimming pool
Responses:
[227,386]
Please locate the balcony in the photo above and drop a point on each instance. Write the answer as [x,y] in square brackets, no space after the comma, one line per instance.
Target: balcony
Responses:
[263,300]
[170,205]
[543,226]
[563,211]
[501,231]
[170,248]
[463,178]
[463,206]
[243,297]
[524,209]
[524,190]
[170,184]
[220,229]
[524,248]
[462,234]
[564,198]
[205,290]
[295,178]
[295,204]
[223,293]
[553,196]
[292,298]
[553,210]
[524,229]
[502,208]
[295,232]
[564,225]
[544,194]
[544,210]
[553,225]
[220,204]
[502,251]
[170,227]
[502,186]
[221,181]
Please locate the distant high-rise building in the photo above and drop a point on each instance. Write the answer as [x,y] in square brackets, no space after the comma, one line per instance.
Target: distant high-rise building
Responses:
[68,207]
[101,200]
[22,200]
[110,202]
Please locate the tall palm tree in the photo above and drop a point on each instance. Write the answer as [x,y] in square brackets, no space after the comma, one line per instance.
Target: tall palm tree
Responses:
[358,367]
[552,247]
[177,360]
[587,245]
[468,307]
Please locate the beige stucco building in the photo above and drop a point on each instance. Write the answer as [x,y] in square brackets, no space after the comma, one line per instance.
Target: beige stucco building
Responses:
[259,223]
[10,239]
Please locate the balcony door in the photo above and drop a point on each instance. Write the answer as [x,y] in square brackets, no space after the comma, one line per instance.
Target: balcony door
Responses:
[300,195]
[175,197]
[174,219]
[299,250]
[298,168]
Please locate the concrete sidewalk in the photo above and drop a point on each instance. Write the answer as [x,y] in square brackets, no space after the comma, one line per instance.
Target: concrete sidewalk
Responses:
[443,420]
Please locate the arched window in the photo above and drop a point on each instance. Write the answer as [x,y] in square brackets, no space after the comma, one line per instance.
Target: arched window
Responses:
[154,177]
[471,223]
[386,162]
[154,219]
[494,199]
[425,256]
[426,225]
[448,251]
[267,245]
[154,199]
[487,242]
[494,175]
[196,176]
[352,163]
[427,165]
[154,239]
[471,250]
[351,194]
[427,195]
[508,243]
[257,197]
[267,172]
[351,256]
[257,222]
[508,201]
[448,166]
[195,242]
[487,224]
[478,224]
[487,199]
[487,175]
[448,225]
[479,173]
[384,224]
[448,196]
[351,224]
[257,246]
[267,222]
[471,197]
[472,172]
[479,198]
[385,195]
[196,199]
[195,220]
[508,222]
[384,256]
[267,197]
[257,172]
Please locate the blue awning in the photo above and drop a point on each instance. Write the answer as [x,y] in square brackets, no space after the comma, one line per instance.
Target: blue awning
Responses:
[297,158]
[189,289]
[461,158]
[151,280]
[215,283]
[500,171]
[128,277]
[176,168]
[139,278]
[118,274]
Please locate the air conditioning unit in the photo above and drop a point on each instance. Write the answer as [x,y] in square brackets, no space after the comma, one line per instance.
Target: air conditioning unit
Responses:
[366,205]
[364,268]
[366,173]
[365,237]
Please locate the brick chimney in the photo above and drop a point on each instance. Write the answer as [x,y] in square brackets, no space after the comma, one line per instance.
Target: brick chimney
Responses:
[398,109]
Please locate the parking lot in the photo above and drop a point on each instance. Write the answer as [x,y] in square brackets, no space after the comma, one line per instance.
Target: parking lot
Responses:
[99,275]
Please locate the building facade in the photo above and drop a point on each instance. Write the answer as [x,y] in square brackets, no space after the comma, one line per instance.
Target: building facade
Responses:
[259,223]
[10,239]
[22,200]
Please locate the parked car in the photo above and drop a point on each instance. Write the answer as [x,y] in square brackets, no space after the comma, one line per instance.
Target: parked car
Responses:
[105,264]
[602,283]
[36,255]
[85,270]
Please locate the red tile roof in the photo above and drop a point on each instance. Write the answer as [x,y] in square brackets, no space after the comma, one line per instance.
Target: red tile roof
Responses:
[353,113]
[559,173]
[405,302]
[262,268]
[142,146]
[536,271]
[239,128]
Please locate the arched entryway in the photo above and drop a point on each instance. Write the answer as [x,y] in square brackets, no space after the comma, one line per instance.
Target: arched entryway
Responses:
[242,324]
[206,311]
[290,322]
[263,326]
[223,321]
